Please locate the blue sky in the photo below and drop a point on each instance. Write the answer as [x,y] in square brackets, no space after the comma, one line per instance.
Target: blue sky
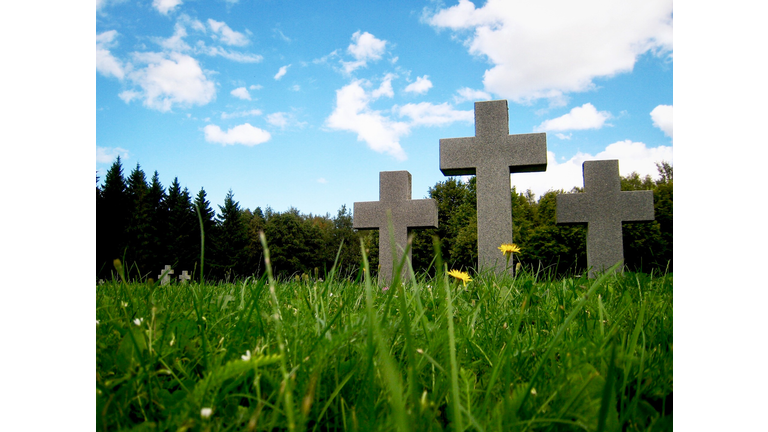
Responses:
[302,103]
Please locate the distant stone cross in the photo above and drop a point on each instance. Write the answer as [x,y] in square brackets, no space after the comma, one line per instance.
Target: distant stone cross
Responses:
[166,275]
[395,198]
[492,155]
[603,207]
[184,277]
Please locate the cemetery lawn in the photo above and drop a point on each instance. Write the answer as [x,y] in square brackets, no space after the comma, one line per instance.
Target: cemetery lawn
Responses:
[501,354]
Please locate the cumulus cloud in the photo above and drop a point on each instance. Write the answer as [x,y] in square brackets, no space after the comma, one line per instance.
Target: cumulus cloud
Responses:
[548,49]
[579,118]
[167,80]
[468,94]
[176,42]
[420,86]
[662,118]
[280,73]
[244,134]
[385,89]
[632,156]
[352,113]
[378,129]
[165,6]
[364,47]
[109,154]
[106,63]
[279,119]
[428,114]
[226,35]
[241,93]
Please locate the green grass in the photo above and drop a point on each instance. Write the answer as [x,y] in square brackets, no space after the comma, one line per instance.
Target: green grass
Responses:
[502,354]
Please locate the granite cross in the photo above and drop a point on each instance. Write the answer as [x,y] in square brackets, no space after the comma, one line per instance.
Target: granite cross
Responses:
[603,207]
[184,277]
[165,274]
[492,155]
[394,199]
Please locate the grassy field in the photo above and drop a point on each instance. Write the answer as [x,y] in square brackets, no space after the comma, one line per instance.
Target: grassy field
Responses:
[499,354]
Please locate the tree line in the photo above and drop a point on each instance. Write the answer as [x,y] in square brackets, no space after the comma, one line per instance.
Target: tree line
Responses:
[147,226]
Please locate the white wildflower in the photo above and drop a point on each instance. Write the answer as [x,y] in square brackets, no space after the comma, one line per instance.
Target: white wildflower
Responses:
[138,321]
[206,412]
[247,355]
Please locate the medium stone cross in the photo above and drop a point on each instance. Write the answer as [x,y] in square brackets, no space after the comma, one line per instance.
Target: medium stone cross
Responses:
[165,274]
[603,207]
[492,155]
[184,277]
[395,199]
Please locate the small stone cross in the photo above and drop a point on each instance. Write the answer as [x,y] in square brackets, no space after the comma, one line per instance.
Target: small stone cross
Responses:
[492,154]
[603,207]
[395,199]
[184,277]
[165,275]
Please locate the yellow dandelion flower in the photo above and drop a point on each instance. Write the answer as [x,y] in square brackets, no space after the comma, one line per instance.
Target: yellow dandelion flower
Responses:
[507,248]
[462,276]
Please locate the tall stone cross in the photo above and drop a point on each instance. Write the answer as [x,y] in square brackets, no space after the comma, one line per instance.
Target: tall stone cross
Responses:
[166,275]
[603,207]
[492,155]
[394,198]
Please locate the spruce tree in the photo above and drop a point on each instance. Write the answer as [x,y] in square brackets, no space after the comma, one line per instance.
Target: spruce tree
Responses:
[139,226]
[111,220]
[233,239]
[210,234]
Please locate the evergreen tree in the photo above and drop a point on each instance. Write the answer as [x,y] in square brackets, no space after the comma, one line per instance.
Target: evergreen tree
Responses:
[139,245]
[111,220]
[182,235]
[349,258]
[210,233]
[233,237]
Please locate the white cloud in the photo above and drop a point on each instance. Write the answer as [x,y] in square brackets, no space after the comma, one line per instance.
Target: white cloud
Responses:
[108,155]
[280,73]
[579,118]
[241,93]
[548,49]
[229,55]
[385,89]
[256,87]
[106,63]
[364,47]
[379,131]
[169,79]
[278,119]
[468,94]
[563,136]
[632,156]
[244,134]
[226,35]
[322,180]
[176,42]
[428,114]
[662,118]
[353,114]
[295,87]
[247,113]
[165,6]
[421,86]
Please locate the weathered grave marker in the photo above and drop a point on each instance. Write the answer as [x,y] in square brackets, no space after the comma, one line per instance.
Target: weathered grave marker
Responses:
[165,274]
[184,277]
[492,155]
[603,207]
[395,198]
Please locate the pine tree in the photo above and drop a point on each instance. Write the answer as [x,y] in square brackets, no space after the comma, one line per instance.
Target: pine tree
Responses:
[210,233]
[233,239]
[182,234]
[111,220]
[139,226]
